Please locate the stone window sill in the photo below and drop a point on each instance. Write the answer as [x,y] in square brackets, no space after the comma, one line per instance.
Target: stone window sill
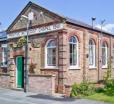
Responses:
[46,68]
[92,68]
[104,67]
[74,68]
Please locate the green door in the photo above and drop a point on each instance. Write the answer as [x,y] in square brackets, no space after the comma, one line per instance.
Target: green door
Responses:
[20,72]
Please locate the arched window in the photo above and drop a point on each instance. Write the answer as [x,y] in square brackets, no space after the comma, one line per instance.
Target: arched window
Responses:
[73,50]
[104,55]
[50,54]
[91,53]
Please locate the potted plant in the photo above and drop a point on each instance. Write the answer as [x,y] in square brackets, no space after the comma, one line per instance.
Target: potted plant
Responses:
[32,66]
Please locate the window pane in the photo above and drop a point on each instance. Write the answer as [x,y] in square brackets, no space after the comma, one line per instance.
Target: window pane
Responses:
[104,56]
[54,56]
[73,51]
[52,43]
[49,56]
[91,53]
[74,55]
[71,54]
[73,39]
[51,53]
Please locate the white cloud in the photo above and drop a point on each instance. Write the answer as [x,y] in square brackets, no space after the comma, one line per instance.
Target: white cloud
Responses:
[2,29]
[107,27]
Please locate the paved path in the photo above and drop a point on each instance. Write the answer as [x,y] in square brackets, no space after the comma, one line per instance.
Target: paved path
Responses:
[18,97]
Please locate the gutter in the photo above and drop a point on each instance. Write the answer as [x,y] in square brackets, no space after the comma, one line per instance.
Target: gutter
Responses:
[90,28]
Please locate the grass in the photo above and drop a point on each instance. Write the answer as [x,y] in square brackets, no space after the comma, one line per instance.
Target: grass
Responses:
[101,97]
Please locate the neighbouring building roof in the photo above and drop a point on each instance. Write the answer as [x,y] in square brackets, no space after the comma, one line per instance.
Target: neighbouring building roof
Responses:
[3,36]
[67,19]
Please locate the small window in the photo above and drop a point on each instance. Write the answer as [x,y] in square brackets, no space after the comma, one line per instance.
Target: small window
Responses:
[92,54]
[73,50]
[50,52]
[104,55]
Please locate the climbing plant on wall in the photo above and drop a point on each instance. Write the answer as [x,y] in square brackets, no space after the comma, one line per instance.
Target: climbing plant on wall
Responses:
[20,43]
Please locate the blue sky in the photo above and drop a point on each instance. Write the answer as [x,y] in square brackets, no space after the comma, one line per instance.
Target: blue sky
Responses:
[78,9]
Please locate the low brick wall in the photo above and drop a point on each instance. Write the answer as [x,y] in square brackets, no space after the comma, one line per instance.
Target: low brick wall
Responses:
[42,84]
[51,72]
[5,80]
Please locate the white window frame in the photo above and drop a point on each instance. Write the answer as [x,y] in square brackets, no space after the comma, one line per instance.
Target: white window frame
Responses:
[94,53]
[106,49]
[77,60]
[3,60]
[46,64]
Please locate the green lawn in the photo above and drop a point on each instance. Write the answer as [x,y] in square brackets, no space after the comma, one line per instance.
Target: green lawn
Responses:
[101,97]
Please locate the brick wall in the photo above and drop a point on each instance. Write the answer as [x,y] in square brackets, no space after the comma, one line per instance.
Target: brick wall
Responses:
[42,84]
[5,80]
[91,74]
[65,75]
[75,75]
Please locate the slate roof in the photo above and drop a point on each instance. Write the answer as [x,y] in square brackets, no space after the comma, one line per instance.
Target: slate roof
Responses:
[3,36]
[82,24]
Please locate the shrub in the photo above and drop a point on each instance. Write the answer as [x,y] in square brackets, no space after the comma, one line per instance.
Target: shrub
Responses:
[75,90]
[83,89]
[109,87]
[107,76]
[108,83]
[99,90]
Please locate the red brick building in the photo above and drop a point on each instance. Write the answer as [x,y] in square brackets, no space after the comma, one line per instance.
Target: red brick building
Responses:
[70,50]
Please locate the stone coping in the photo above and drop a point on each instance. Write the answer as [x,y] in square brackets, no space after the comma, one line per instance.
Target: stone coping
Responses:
[40,75]
[4,74]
